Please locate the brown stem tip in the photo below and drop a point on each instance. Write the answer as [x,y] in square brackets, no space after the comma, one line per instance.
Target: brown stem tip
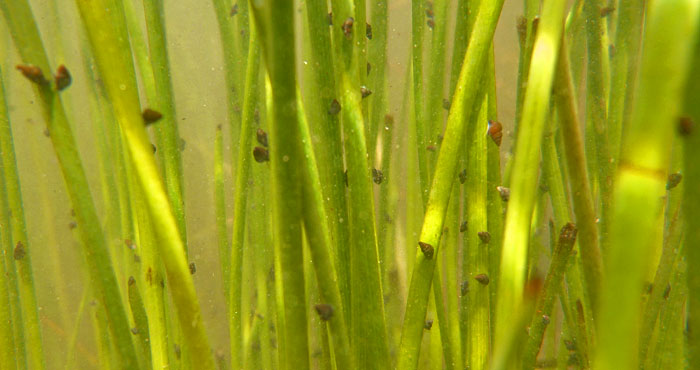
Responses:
[324,310]
[427,250]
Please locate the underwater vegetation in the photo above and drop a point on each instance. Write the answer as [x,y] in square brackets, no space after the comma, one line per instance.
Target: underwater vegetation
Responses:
[339,191]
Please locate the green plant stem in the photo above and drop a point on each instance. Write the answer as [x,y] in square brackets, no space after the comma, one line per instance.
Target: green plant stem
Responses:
[669,350]
[7,340]
[523,182]
[460,112]
[476,250]
[377,57]
[110,48]
[642,177]
[138,312]
[564,98]
[417,20]
[623,71]
[436,77]
[166,133]
[597,90]
[545,304]
[318,236]
[275,24]
[28,41]
[367,320]
[250,98]
[220,209]
[691,209]
[329,148]
[527,35]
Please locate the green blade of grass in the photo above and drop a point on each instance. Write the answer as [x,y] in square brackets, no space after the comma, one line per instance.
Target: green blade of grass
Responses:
[523,181]
[642,177]
[460,113]
[113,59]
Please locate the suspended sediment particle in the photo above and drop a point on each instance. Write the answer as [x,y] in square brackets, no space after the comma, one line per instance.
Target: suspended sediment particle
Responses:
[347,28]
[495,131]
[428,324]
[129,244]
[483,279]
[135,331]
[429,12]
[132,281]
[485,236]
[261,135]
[151,116]
[685,126]
[503,192]
[365,91]
[430,148]
[193,268]
[324,310]
[261,154]
[463,227]
[388,121]
[368,31]
[431,23]
[673,180]
[234,10]
[334,108]
[427,250]
[377,176]
[545,319]
[463,176]
[63,78]
[19,251]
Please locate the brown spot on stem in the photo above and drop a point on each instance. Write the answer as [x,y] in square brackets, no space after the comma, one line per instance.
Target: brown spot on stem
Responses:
[368,31]
[377,176]
[261,135]
[429,12]
[149,276]
[365,91]
[567,236]
[369,68]
[463,227]
[178,351]
[431,23]
[347,28]
[606,10]
[63,78]
[521,27]
[463,176]
[33,73]
[667,291]
[545,319]
[132,281]
[151,116]
[503,192]
[261,154]
[234,10]
[485,236]
[428,324]
[464,287]
[345,177]
[673,180]
[685,126]
[483,279]
[19,251]
[72,225]
[430,148]
[427,250]
[446,104]
[193,268]
[153,146]
[324,310]
[334,108]
[135,331]
[330,18]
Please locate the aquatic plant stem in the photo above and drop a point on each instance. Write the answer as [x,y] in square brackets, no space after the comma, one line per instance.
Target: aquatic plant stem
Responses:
[28,41]
[275,24]
[581,195]
[250,98]
[523,181]
[111,51]
[691,208]
[642,177]
[460,113]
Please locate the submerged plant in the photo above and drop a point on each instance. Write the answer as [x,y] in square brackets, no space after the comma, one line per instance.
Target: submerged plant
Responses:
[370,229]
